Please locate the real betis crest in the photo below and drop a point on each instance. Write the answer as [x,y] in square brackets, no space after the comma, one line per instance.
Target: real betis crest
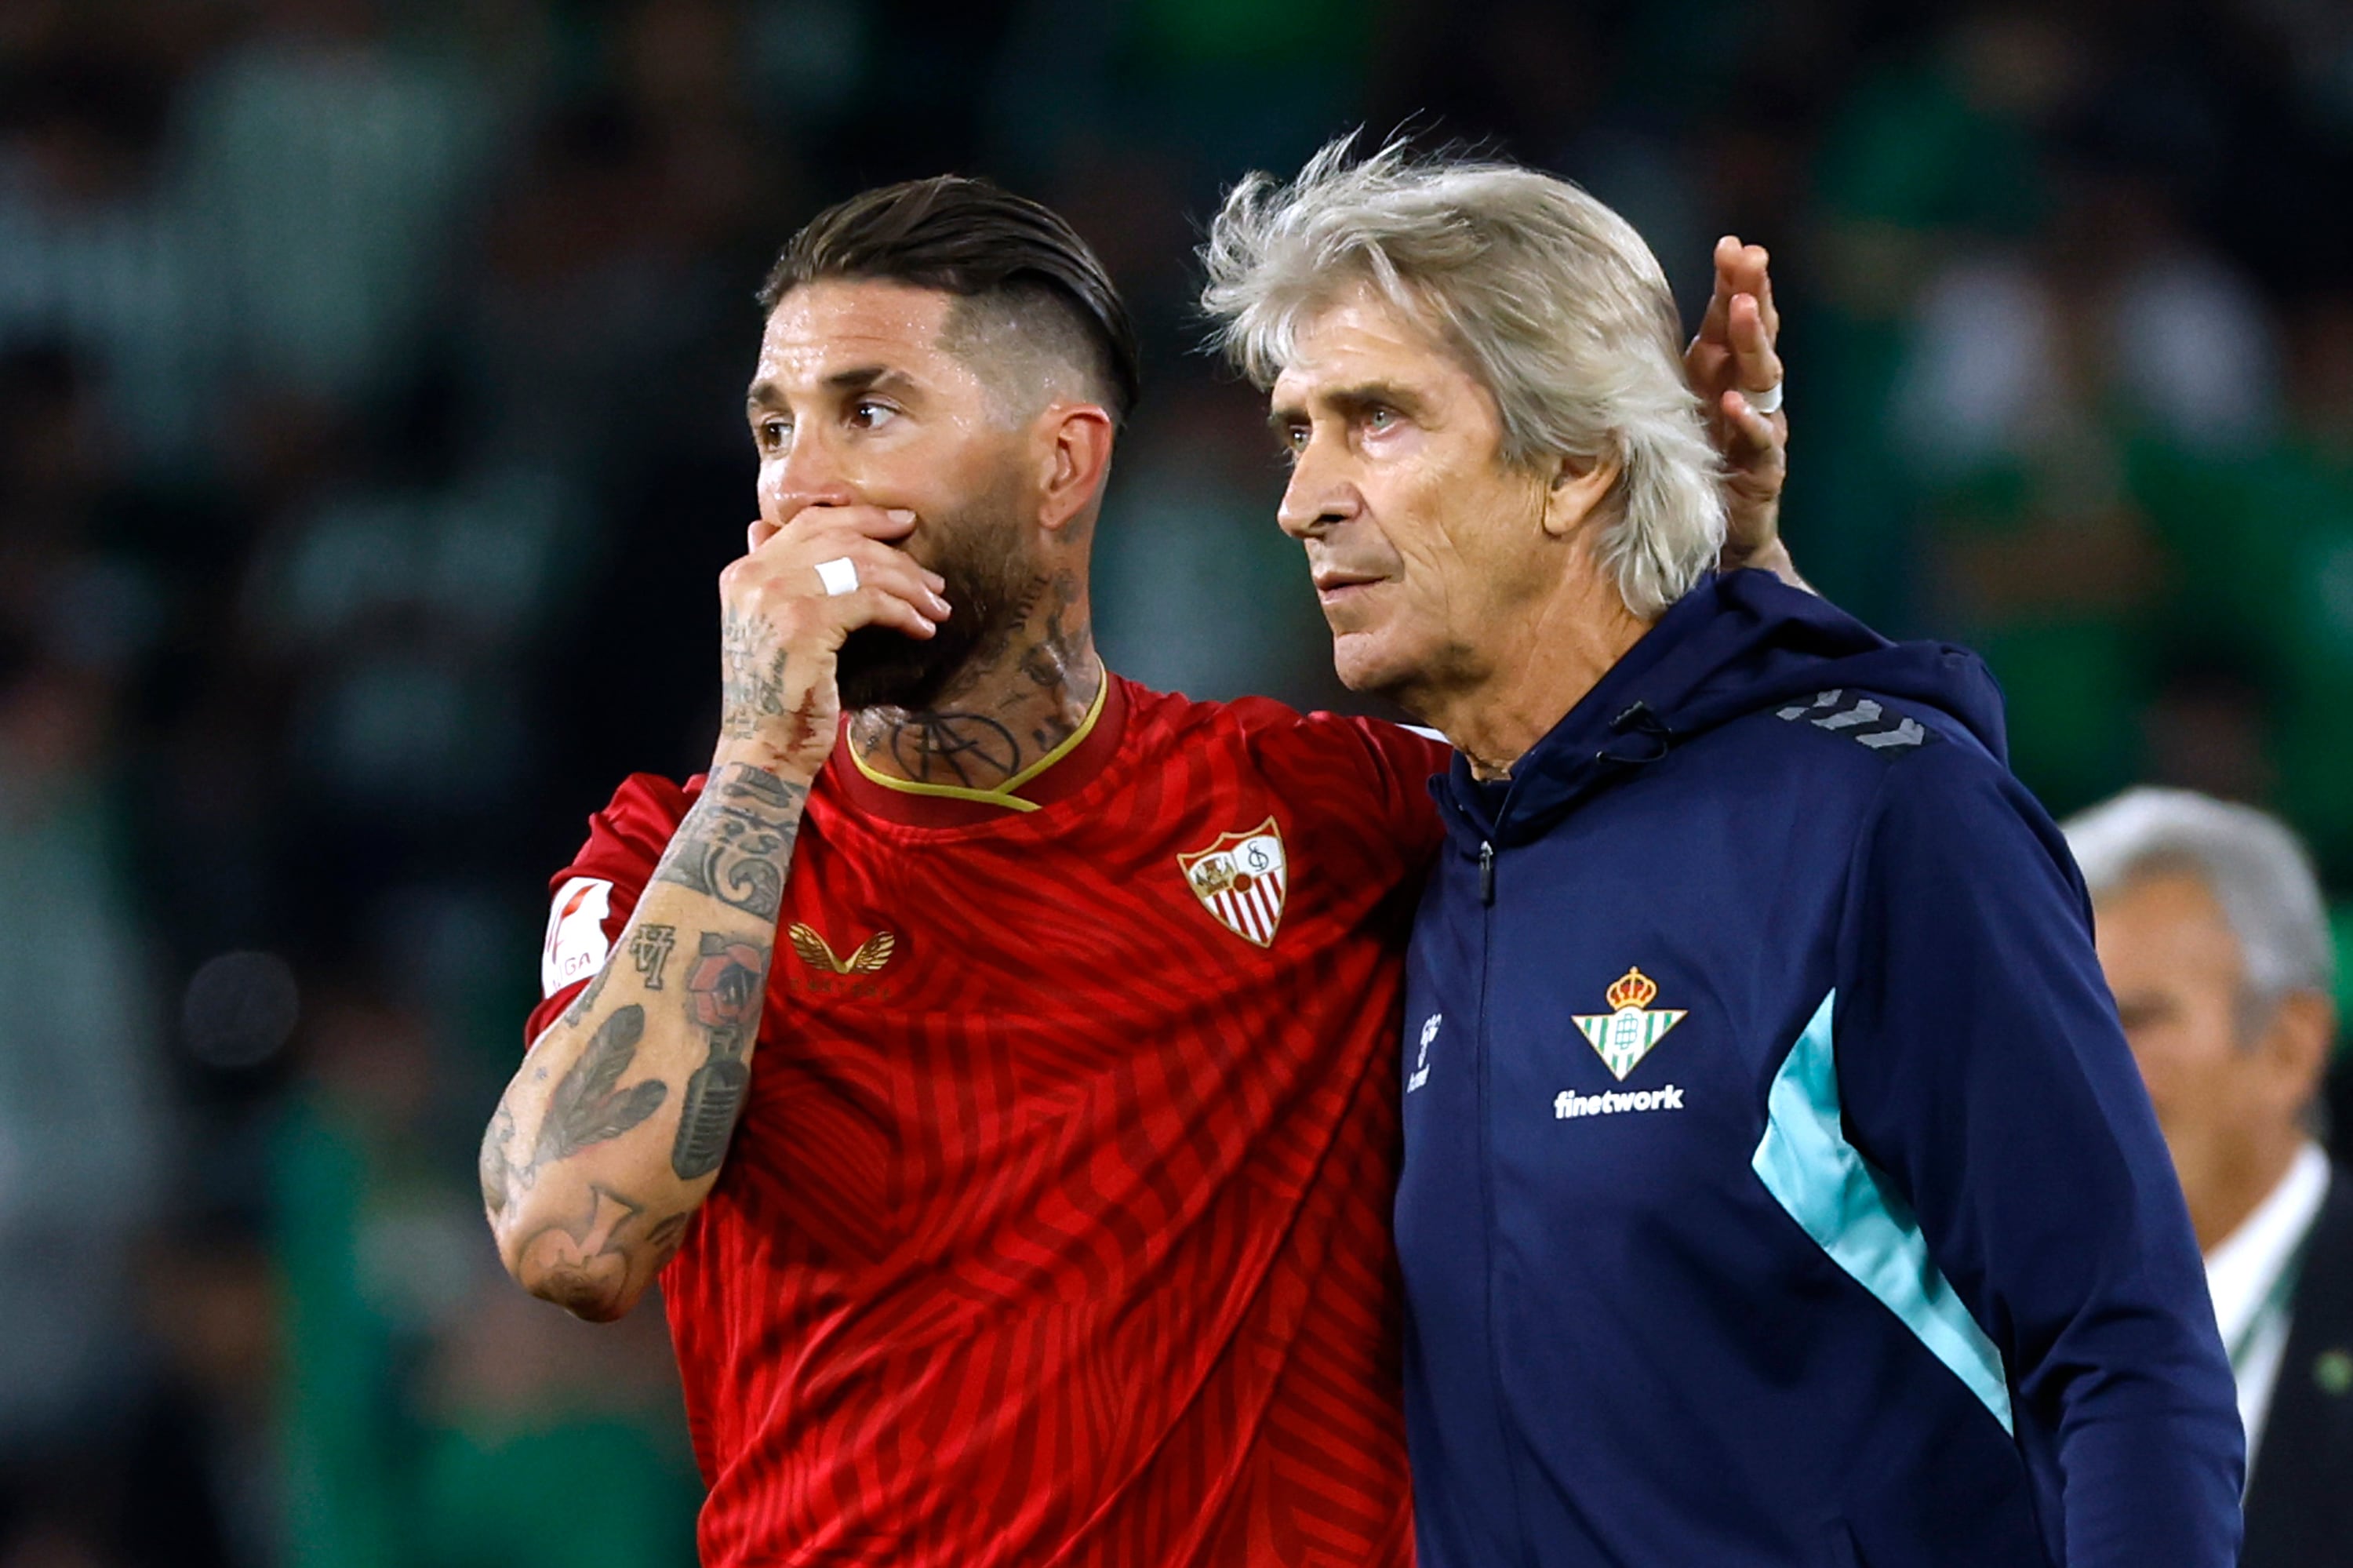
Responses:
[1624,1035]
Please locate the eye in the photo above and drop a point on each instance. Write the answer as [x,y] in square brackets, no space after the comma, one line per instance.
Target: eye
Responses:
[770,434]
[1379,419]
[866,414]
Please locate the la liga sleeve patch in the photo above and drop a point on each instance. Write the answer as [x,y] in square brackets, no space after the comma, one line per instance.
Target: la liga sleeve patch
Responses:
[576,946]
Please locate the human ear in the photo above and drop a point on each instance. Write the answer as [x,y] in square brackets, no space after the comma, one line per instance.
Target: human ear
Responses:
[1074,457]
[1577,487]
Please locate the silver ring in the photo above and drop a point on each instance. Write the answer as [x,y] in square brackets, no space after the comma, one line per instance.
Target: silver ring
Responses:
[840,576]
[1767,402]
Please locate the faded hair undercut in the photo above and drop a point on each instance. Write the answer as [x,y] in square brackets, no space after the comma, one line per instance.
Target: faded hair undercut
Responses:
[1027,289]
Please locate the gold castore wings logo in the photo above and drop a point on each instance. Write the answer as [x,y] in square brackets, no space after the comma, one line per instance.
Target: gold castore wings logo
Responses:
[869,959]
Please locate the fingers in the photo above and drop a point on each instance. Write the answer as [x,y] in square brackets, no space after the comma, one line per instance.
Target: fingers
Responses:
[1756,364]
[892,591]
[878,605]
[878,562]
[780,581]
[1719,302]
[1736,349]
[1761,290]
[874,522]
[1739,270]
[1743,270]
[1749,433]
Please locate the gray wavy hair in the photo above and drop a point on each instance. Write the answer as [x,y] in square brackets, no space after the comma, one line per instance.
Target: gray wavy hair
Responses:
[1551,300]
[2251,863]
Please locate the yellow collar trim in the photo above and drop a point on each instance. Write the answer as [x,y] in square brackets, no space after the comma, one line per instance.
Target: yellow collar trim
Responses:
[1003,795]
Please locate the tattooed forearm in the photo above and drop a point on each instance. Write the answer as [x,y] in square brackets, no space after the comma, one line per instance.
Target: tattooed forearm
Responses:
[577,1240]
[664,1240]
[738,840]
[586,1003]
[496,1168]
[588,1106]
[592,1262]
[584,1214]
[649,950]
[724,992]
[752,675]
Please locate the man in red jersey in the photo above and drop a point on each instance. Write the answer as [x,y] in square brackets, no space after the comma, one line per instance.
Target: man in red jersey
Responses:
[1052,1226]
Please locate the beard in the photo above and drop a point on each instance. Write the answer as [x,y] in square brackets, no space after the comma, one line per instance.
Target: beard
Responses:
[978,552]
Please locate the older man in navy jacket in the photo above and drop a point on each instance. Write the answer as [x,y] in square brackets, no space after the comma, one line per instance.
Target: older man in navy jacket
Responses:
[1778,1188]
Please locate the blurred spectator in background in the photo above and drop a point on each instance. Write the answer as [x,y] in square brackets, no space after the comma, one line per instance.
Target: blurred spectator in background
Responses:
[420,1406]
[100,250]
[80,1144]
[324,168]
[2264,538]
[1202,587]
[82,1101]
[2213,937]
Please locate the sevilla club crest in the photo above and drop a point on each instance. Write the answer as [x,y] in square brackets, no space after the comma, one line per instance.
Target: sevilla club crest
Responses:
[1241,879]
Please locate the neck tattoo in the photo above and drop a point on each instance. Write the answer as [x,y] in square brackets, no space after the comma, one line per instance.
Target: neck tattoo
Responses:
[1026,692]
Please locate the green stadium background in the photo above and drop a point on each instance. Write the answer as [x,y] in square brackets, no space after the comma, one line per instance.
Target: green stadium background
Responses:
[370,378]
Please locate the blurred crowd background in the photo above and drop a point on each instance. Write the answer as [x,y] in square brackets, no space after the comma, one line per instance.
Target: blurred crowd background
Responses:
[370,438]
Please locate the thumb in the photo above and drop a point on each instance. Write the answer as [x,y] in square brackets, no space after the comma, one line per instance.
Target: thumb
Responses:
[757,535]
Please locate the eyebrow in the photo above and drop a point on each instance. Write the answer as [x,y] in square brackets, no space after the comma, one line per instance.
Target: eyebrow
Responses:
[1352,401]
[764,394]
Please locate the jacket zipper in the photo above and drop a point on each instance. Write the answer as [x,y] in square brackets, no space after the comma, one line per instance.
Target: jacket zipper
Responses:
[1486,1155]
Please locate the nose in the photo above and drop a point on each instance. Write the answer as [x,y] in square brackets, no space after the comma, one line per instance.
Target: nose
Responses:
[1318,496]
[809,473]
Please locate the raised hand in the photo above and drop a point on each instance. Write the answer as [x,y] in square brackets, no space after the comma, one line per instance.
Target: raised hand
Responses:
[612,1132]
[786,605]
[1732,362]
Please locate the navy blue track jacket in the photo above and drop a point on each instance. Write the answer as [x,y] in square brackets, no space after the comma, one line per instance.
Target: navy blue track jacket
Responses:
[1778,1188]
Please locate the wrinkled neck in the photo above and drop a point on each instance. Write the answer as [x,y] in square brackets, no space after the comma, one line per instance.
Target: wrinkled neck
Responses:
[1535,671]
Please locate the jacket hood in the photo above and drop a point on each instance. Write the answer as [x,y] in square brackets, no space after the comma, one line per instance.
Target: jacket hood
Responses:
[1736,643]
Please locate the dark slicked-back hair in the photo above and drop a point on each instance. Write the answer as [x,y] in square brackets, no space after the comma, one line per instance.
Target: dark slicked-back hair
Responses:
[1000,254]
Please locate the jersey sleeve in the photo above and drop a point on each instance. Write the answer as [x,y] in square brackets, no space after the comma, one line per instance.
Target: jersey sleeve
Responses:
[1404,760]
[1397,763]
[591,899]
[1982,1069]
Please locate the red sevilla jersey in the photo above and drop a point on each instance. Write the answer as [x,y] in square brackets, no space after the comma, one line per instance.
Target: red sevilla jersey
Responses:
[1056,1227]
